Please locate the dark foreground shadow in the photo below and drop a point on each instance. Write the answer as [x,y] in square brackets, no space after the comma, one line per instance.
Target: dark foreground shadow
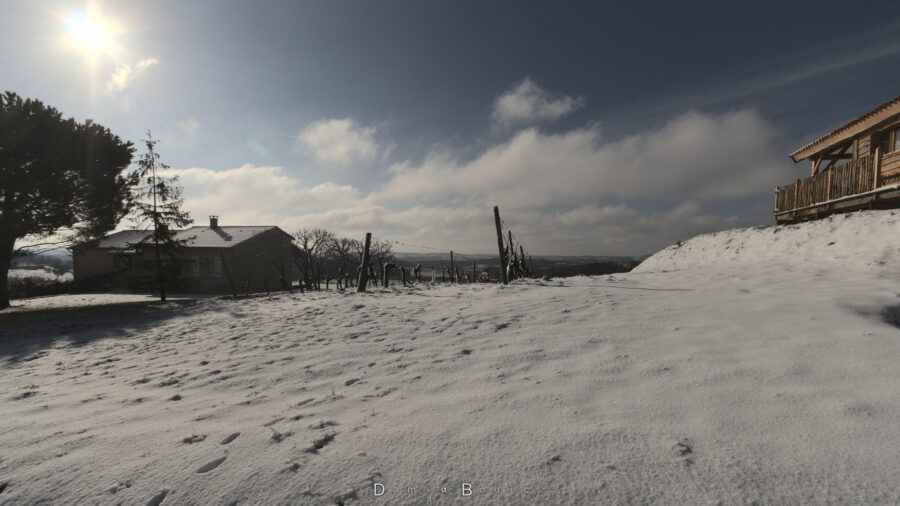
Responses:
[891,315]
[25,334]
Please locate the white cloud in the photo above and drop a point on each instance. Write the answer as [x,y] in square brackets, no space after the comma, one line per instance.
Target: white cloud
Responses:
[339,142]
[125,74]
[528,103]
[120,79]
[146,63]
[254,195]
[189,126]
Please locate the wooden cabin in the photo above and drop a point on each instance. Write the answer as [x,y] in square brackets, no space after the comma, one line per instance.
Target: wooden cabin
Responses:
[857,166]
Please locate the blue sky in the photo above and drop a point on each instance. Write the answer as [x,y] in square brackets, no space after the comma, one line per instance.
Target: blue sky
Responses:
[598,129]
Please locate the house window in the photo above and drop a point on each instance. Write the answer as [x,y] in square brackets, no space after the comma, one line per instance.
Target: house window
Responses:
[210,267]
[890,140]
[206,267]
[191,267]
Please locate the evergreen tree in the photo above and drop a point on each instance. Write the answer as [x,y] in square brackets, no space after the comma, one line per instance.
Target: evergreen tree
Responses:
[61,181]
[157,205]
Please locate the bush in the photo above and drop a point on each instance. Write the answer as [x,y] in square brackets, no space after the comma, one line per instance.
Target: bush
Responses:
[20,288]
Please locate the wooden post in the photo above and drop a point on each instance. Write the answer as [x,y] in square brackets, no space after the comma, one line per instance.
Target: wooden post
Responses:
[511,259]
[830,177]
[876,167]
[363,272]
[500,245]
[451,268]
[432,274]
[474,272]
[796,194]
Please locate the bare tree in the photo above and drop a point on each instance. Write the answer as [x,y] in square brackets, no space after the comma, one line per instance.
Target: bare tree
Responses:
[312,244]
[342,255]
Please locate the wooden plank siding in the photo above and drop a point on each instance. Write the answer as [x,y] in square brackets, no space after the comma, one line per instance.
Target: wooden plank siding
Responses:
[890,167]
[862,146]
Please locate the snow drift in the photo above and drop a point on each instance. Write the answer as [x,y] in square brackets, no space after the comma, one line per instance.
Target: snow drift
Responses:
[859,240]
[757,369]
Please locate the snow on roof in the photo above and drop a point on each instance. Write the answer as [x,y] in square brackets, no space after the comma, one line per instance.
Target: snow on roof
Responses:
[120,240]
[200,237]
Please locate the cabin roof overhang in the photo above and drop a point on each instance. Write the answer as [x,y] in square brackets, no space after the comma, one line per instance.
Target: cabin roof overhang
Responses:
[842,134]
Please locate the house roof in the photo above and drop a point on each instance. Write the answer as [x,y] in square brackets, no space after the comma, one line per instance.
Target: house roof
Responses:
[199,237]
[868,120]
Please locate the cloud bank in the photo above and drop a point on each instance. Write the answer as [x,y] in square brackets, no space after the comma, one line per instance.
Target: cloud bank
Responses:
[574,192]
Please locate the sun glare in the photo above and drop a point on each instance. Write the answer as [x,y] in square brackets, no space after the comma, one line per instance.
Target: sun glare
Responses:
[86,31]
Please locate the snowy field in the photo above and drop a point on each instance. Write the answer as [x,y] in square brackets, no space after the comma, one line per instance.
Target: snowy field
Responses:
[749,365]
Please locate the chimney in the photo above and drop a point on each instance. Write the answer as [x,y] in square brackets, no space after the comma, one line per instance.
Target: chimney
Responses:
[213,222]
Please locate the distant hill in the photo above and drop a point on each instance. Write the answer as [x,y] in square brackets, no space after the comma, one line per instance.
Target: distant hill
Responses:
[542,265]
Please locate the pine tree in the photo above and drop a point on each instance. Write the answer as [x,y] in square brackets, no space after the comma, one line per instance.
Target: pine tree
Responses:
[157,204]
[61,182]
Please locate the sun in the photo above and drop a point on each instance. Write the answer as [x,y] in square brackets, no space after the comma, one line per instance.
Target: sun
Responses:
[86,31]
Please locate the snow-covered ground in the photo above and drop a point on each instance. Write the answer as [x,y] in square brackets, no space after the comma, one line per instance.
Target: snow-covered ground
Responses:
[750,365]
[90,299]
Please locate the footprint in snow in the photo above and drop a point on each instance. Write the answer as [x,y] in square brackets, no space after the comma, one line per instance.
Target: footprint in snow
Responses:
[230,438]
[320,443]
[211,465]
[682,448]
[158,498]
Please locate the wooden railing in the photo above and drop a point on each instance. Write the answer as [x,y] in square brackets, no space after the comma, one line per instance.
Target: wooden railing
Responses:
[851,178]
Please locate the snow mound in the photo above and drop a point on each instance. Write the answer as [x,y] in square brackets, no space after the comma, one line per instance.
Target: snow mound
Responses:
[862,240]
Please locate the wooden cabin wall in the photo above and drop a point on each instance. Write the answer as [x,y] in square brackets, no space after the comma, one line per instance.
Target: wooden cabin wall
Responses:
[890,161]
[890,164]
[862,145]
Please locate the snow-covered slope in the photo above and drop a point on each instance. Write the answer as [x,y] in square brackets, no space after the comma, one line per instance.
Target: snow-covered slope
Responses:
[858,240]
[766,382]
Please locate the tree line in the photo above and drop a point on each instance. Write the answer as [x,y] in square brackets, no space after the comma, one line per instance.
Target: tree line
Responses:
[322,254]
